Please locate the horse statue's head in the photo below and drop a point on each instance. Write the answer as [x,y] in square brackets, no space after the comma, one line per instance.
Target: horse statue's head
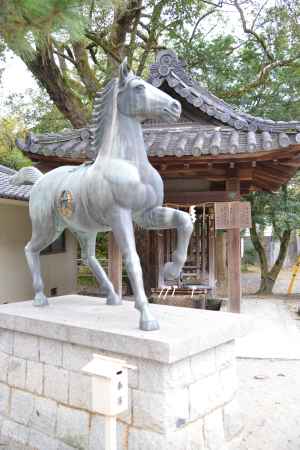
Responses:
[139,99]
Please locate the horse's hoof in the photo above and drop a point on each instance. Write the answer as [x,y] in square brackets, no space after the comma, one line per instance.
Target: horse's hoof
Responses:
[40,300]
[114,300]
[171,271]
[149,325]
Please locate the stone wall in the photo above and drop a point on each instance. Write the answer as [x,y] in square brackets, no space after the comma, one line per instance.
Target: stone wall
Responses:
[45,399]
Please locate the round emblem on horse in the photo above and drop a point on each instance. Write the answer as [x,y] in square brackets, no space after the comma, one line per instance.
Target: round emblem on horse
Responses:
[65,204]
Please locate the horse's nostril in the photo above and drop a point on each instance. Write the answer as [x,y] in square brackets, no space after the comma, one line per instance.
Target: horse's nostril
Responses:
[176,106]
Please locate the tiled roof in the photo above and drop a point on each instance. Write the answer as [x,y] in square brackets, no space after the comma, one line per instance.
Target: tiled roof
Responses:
[194,140]
[236,132]
[9,191]
[190,139]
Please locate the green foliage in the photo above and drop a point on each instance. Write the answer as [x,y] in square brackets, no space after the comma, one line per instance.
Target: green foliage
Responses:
[101,245]
[20,18]
[10,156]
[280,210]
[250,255]
[36,111]
[258,72]
[14,159]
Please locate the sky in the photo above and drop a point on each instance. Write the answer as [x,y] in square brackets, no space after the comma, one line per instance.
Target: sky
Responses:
[16,77]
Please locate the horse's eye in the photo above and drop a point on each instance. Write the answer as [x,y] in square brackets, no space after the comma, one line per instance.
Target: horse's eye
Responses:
[139,88]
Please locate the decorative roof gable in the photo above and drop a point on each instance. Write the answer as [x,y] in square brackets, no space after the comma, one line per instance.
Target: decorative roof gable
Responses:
[168,68]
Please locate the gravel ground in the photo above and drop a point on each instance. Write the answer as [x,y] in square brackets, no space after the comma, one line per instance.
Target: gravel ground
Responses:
[270,400]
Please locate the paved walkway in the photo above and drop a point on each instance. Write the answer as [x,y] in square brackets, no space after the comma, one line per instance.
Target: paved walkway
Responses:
[269,372]
[274,334]
[269,398]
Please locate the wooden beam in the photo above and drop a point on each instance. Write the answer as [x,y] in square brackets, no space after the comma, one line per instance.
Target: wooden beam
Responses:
[277,169]
[234,254]
[245,173]
[114,264]
[266,155]
[270,177]
[198,170]
[194,198]
[267,185]
[295,164]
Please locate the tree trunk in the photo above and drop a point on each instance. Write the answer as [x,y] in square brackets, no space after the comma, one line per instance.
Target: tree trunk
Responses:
[43,66]
[125,15]
[269,277]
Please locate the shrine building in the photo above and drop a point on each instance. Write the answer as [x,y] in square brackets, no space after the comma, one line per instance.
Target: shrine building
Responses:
[208,160]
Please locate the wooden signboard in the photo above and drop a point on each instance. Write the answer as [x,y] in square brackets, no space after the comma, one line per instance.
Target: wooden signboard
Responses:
[230,215]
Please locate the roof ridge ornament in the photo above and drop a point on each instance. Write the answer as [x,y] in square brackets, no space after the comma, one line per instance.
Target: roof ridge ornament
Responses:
[167,61]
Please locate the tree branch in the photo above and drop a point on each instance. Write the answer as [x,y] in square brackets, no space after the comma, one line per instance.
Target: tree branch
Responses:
[87,75]
[261,77]
[64,56]
[125,17]
[152,39]
[143,36]
[102,42]
[251,32]
[208,13]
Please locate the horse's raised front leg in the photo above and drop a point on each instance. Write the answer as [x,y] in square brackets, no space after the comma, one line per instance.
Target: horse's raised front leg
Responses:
[165,218]
[122,227]
[87,243]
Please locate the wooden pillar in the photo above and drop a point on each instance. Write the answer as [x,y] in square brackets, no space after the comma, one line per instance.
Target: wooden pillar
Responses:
[160,257]
[211,254]
[203,243]
[234,252]
[221,264]
[114,264]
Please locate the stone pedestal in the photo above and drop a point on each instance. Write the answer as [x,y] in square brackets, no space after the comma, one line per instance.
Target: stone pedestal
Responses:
[182,397]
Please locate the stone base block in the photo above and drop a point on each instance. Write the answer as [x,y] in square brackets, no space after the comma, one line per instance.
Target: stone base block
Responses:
[182,396]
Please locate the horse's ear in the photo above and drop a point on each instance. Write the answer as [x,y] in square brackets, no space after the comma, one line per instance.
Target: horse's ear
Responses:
[123,72]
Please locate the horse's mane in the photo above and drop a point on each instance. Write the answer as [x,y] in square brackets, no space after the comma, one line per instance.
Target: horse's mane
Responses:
[102,114]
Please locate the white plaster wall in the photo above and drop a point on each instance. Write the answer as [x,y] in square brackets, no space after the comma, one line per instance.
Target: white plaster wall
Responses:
[59,270]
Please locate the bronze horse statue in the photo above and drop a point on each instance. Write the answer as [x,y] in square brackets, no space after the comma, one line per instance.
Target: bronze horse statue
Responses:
[120,187]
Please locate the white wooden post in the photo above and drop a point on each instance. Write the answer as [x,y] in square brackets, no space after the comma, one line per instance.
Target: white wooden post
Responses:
[110,433]
[109,392]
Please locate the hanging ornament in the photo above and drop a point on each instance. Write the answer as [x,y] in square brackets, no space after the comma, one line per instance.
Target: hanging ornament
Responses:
[192,212]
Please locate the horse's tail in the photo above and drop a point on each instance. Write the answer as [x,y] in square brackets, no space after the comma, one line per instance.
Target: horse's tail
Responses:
[27,175]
